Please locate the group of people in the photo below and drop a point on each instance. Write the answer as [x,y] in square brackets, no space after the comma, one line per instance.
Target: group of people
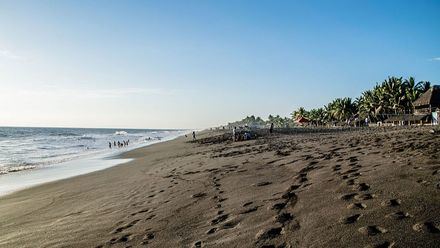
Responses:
[246,135]
[236,136]
[119,144]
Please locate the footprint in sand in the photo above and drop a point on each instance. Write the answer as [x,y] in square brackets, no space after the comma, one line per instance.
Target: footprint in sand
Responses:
[124,238]
[219,219]
[429,226]
[249,210]
[365,197]
[363,187]
[291,197]
[392,203]
[356,174]
[283,218]
[198,195]
[147,238]
[150,217]
[278,206]
[260,184]
[357,205]
[212,230]
[140,212]
[372,230]
[269,233]
[231,224]
[129,225]
[399,215]
[247,204]
[348,197]
[197,244]
[353,159]
[336,167]
[351,219]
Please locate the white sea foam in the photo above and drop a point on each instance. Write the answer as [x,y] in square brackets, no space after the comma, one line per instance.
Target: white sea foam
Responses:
[29,148]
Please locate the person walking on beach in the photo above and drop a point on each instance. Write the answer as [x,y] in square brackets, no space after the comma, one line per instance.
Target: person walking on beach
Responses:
[110,145]
[194,135]
[271,128]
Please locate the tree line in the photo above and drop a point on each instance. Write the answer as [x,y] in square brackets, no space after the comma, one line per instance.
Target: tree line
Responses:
[394,95]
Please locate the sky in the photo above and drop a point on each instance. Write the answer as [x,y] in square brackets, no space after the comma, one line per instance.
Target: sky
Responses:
[198,64]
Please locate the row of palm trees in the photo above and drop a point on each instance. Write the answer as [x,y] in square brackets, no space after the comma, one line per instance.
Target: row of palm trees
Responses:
[253,121]
[393,96]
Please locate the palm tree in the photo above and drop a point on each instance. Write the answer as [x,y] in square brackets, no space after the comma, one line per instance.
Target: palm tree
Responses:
[341,109]
[317,116]
[423,86]
[300,112]
[412,92]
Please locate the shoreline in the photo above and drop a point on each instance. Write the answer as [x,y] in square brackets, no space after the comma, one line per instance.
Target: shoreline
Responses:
[351,189]
[25,179]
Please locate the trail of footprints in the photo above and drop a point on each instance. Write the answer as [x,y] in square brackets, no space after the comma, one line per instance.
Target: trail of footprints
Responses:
[122,231]
[222,220]
[284,221]
[351,178]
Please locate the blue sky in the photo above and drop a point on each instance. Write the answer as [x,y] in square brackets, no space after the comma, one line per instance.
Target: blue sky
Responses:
[195,64]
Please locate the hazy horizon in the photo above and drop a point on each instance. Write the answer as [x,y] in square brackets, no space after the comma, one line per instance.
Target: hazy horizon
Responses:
[198,64]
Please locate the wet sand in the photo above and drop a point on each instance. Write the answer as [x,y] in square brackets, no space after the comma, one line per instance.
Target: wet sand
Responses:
[363,188]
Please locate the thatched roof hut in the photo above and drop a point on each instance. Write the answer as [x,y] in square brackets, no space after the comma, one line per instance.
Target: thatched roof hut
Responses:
[428,101]
[301,121]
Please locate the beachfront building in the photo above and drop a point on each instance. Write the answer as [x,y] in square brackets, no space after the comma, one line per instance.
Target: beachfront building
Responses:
[302,121]
[426,110]
[428,102]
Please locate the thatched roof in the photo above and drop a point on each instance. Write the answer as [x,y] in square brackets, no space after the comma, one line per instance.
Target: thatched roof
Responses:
[407,117]
[430,97]
[301,120]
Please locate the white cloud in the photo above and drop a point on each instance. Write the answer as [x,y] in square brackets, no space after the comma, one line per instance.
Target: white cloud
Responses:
[9,55]
[435,59]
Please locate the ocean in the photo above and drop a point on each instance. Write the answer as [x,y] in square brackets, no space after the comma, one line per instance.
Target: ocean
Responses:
[27,148]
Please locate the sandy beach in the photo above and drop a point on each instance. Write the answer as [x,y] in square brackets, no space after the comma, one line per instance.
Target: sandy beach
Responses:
[359,188]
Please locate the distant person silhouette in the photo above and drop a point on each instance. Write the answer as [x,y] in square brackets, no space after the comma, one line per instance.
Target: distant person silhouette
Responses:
[194,135]
[271,128]
[110,145]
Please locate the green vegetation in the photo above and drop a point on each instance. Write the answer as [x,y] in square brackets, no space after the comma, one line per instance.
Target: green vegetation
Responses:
[393,96]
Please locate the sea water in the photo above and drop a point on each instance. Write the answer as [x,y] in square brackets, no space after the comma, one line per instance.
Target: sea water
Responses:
[32,156]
